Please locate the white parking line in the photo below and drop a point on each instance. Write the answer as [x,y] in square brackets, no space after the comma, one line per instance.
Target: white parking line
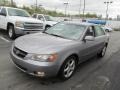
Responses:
[4,39]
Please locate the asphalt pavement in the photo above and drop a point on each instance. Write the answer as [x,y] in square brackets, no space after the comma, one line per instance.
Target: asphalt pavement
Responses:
[94,74]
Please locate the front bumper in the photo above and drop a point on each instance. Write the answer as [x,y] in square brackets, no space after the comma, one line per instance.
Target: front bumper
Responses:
[22,31]
[35,68]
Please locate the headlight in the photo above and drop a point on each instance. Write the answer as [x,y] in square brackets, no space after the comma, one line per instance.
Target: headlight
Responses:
[43,57]
[19,24]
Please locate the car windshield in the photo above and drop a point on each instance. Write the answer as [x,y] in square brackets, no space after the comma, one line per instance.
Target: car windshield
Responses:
[17,12]
[67,30]
[49,18]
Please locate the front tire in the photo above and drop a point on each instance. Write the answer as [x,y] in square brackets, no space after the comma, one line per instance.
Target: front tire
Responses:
[47,27]
[68,68]
[11,32]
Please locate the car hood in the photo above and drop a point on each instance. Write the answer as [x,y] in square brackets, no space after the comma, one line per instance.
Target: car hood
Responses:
[25,19]
[41,43]
[51,22]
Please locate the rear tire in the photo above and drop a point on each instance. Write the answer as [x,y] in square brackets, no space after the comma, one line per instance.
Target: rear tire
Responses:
[68,68]
[11,32]
[103,51]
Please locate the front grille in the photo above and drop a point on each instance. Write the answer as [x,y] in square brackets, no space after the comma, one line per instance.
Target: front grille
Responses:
[33,26]
[19,52]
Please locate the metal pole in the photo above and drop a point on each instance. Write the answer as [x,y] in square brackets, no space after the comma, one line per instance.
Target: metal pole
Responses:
[107,3]
[65,10]
[11,2]
[80,7]
[66,5]
[84,10]
[36,5]
[107,11]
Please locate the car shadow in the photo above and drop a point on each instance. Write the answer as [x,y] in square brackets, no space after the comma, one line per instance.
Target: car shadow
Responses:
[4,34]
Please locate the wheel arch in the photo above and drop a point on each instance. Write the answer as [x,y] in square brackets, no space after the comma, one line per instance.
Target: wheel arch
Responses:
[9,23]
[106,44]
[73,54]
[60,69]
[47,25]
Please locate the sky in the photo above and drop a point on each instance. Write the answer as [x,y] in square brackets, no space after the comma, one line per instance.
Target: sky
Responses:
[92,6]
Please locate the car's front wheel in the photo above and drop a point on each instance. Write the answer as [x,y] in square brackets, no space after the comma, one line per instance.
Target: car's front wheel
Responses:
[11,32]
[68,68]
[47,27]
[103,51]
[107,30]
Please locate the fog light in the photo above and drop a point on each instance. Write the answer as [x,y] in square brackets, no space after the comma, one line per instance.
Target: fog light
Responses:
[41,74]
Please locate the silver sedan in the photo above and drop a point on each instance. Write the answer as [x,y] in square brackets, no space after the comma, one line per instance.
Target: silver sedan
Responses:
[58,50]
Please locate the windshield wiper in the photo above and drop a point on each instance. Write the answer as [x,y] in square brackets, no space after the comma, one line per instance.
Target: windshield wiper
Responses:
[57,35]
[54,35]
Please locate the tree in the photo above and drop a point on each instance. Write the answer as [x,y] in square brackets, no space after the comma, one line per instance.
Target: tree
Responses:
[4,2]
[41,10]
[91,15]
[7,3]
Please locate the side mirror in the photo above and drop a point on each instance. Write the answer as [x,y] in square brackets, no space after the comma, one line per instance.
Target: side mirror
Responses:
[2,14]
[89,38]
[42,19]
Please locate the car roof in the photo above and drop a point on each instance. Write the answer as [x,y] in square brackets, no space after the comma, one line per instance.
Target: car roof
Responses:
[79,23]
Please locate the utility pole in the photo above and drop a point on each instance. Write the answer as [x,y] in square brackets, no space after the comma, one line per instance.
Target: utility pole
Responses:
[107,5]
[84,9]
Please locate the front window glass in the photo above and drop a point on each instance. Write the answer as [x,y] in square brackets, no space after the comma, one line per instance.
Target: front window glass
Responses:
[67,30]
[49,18]
[34,16]
[3,11]
[90,31]
[17,12]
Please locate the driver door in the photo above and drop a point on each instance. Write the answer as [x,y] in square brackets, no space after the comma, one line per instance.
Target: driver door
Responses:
[3,19]
[88,47]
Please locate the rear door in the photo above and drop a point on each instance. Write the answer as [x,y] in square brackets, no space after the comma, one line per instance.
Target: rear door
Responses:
[99,38]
